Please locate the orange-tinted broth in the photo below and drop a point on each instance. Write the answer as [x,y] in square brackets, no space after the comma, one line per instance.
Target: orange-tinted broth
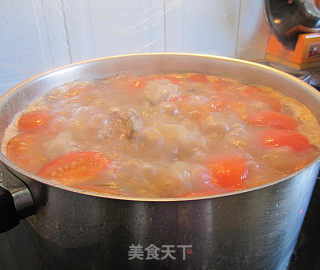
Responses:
[171,135]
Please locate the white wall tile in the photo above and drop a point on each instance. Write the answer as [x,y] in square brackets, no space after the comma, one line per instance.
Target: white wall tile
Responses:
[52,33]
[103,28]
[32,39]
[202,26]
[36,35]
[254,31]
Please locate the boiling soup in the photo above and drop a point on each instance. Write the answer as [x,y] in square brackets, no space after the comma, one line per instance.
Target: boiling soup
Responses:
[165,135]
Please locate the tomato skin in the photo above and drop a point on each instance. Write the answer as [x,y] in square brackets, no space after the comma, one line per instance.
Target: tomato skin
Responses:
[228,170]
[25,152]
[272,119]
[34,121]
[285,137]
[198,78]
[75,167]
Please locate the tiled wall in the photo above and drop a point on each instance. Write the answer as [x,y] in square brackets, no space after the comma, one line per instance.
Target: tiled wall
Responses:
[37,35]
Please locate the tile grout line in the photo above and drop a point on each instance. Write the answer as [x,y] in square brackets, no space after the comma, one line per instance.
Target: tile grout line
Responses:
[238,29]
[66,30]
[164,26]
[42,45]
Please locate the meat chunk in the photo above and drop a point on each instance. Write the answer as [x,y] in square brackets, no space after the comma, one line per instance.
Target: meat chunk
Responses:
[159,90]
[180,177]
[175,133]
[215,124]
[150,141]
[125,122]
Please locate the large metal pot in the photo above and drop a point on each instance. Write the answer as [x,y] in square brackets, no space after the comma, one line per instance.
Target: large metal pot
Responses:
[250,229]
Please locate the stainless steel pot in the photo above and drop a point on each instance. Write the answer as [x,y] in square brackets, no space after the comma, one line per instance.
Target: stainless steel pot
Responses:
[251,229]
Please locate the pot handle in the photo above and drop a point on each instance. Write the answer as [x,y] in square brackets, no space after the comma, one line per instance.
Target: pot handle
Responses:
[16,201]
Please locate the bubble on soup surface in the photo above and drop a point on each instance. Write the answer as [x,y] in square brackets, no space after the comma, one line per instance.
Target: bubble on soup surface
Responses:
[176,133]
[283,159]
[168,107]
[239,137]
[59,123]
[100,125]
[134,117]
[197,100]
[215,124]
[176,123]
[257,106]
[200,177]
[60,145]
[182,177]
[149,139]
[174,179]
[147,170]
[159,90]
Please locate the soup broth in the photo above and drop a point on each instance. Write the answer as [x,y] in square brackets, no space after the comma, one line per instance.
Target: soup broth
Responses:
[164,135]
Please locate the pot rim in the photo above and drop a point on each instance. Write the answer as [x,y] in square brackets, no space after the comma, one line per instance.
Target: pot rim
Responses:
[11,165]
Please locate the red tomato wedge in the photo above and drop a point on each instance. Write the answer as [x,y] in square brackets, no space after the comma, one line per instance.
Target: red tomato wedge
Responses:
[198,78]
[75,167]
[272,119]
[34,121]
[24,150]
[228,170]
[98,189]
[284,137]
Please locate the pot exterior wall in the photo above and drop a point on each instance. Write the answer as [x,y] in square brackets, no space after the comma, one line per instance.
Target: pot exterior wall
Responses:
[252,230]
